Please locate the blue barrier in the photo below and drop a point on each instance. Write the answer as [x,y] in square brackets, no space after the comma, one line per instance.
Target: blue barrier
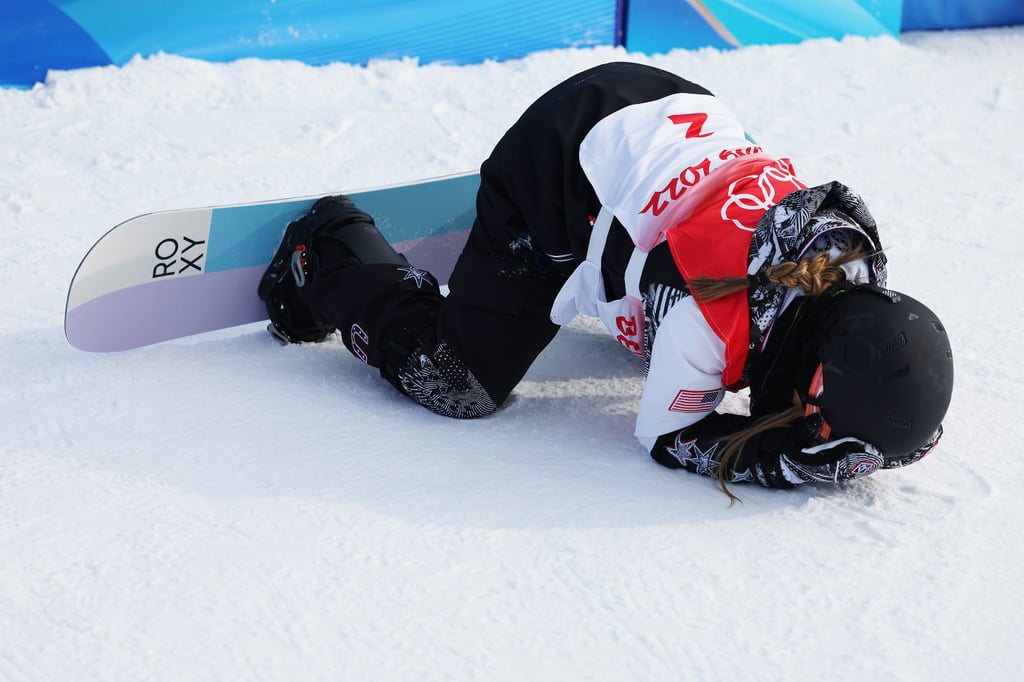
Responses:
[659,25]
[38,35]
[928,15]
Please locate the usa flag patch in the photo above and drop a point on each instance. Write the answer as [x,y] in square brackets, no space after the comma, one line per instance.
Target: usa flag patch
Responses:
[695,401]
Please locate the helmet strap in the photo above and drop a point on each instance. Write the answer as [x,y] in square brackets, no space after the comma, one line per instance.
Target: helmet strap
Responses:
[811,405]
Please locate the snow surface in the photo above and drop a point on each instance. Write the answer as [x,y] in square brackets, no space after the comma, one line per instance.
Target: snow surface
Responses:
[223,508]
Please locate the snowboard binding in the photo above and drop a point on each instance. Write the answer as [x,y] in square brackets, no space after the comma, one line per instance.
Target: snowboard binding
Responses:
[285,283]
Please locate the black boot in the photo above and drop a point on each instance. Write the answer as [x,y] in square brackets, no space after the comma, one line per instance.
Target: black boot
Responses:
[284,287]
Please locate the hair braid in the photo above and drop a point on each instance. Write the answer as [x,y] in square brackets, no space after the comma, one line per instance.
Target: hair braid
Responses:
[814,275]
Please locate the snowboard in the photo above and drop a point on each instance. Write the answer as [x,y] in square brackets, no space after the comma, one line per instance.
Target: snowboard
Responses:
[172,274]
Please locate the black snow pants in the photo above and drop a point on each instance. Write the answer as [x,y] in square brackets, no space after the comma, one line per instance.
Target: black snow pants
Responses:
[462,355]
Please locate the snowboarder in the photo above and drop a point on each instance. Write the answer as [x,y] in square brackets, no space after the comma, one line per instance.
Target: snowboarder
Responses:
[631,194]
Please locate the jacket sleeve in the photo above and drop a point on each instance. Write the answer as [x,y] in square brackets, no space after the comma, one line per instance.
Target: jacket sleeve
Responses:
[698,449]
[782,457]
[684,378]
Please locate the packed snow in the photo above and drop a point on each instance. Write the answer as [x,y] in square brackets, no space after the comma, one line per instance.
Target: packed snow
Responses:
[223,508]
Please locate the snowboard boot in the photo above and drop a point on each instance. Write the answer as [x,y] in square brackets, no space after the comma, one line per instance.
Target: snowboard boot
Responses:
[285,284]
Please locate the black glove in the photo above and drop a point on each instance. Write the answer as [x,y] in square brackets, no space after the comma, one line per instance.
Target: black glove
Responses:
[835,460]
[782,457]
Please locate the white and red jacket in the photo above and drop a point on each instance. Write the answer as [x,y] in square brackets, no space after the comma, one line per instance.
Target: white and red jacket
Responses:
[680,170]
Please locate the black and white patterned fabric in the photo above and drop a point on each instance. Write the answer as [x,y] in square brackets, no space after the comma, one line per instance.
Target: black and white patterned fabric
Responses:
[658,299]
[442,383]
[787,229]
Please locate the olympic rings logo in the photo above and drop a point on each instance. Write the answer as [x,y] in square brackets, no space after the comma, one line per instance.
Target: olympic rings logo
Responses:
[745,208]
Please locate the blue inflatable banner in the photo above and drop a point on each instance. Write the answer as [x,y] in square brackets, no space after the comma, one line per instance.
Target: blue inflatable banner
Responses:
[39,35]
[661,25]
[928,15]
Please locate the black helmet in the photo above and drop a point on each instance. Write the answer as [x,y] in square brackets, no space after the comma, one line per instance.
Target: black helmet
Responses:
[887,369]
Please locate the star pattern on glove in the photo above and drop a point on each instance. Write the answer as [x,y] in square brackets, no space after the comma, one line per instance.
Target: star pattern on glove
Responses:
[689,454]
[681,449]
[704,460]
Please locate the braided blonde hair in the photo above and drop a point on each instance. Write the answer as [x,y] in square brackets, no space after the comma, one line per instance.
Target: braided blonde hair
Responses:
[814,275]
